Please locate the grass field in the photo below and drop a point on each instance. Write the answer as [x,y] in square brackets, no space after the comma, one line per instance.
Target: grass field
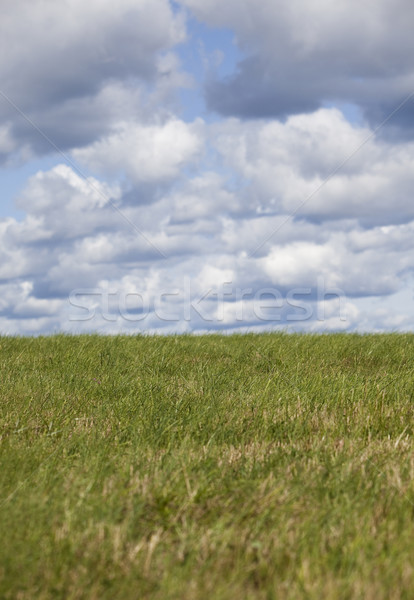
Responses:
[240,467]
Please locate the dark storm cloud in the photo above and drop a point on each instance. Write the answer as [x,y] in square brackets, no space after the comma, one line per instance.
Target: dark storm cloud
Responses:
[63,63]
[256,92]
[302,54]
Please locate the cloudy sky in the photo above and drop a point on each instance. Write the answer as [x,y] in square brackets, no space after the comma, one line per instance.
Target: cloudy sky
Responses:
[199,164]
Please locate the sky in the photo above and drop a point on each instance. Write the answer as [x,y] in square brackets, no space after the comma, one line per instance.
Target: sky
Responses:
[195,166]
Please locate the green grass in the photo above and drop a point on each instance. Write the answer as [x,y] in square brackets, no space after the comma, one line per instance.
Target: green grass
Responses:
[257,466]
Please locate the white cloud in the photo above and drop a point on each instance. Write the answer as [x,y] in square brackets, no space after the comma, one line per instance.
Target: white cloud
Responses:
[146,153]
[60,189]
[202,197]
[63,205]
[189,226]
[288,165]
[207,223]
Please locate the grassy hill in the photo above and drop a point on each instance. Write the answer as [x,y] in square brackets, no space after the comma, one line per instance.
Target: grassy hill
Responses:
[212,467]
